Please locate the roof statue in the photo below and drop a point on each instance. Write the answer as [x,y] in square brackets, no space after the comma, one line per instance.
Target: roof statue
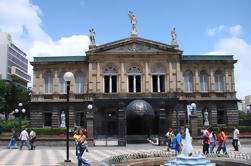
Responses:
[92,37]
[174,38]
[133,22]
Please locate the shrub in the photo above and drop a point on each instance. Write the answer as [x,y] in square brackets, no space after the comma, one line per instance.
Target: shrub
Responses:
[49,131]
[230,129]
[7,125]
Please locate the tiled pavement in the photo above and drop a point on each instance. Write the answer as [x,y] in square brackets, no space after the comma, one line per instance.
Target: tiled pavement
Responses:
[45,156]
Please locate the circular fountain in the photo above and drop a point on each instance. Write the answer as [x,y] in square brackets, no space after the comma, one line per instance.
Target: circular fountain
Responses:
[186,158]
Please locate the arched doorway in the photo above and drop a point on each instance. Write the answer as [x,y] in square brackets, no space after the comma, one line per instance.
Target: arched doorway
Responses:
[139,115]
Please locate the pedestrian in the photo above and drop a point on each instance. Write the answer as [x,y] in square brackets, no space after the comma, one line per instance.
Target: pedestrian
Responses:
[76,137]
[177,141]
[205,137]
[169,136]
[236,137]
[212,140]
[13,141]
[33,137]
[222,138]
[24,137]
[82,145]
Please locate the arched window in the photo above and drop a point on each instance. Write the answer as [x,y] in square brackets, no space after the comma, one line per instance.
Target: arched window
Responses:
[188,79]
[110,80]
[134,79]
[219,82]
[79,82]
[48,82]
[62,83]
[158,79]
[203,81]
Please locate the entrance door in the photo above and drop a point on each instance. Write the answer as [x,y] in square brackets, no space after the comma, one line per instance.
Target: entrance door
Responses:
[112,124]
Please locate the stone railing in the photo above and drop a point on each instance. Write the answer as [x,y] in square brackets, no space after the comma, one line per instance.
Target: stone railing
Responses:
[207,96]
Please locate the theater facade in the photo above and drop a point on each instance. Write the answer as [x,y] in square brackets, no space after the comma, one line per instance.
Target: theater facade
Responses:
[137,88]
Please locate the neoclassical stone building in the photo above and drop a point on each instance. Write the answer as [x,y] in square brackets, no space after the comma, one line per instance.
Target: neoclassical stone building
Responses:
[137,87]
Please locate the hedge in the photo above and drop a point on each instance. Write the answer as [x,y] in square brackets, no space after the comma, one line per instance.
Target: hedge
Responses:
[230,129]
[49,131]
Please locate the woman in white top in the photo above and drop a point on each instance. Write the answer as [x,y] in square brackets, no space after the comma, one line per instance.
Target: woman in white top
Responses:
[212,139]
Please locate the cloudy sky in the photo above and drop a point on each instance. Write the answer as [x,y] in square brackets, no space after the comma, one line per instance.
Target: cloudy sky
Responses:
[60,27]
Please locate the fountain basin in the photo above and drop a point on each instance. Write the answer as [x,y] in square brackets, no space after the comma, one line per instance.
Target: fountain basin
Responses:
[161,161]
[183,160]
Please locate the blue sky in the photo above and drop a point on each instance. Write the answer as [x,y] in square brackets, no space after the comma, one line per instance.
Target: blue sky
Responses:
[109,18]
[60,27]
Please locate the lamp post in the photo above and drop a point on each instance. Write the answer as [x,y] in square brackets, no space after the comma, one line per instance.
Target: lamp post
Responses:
[68,76]
[193,106]
[90,106]
[20,111]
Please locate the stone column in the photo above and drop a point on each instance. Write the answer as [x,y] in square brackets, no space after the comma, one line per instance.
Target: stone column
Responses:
[90,128]
[122,127]
[147,78]
[162,126]
[98,78]
[122,78]
[194,125]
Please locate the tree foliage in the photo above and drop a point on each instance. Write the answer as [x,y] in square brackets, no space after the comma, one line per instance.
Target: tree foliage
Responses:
[11,93]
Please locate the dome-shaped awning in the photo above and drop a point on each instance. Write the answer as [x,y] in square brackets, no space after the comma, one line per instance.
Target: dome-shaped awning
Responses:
[139,108]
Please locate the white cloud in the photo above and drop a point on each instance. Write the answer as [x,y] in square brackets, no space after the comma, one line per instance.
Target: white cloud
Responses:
[234,31]
[22,20]
[66,46]
[213,31]
[241,50]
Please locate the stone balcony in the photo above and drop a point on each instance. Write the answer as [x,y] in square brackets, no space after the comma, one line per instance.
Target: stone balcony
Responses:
[90,96]
[207,96]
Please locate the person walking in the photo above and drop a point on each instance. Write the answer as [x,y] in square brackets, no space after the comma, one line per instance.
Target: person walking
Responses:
[222,138]
[170,136]
[76,137]
[82,145]
[177,141]
[33,137]
[212,140]
[236,136]
[24,137]
[13,141]
[205,137]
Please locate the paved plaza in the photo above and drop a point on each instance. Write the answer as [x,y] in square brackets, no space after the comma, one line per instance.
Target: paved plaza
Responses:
[55,155]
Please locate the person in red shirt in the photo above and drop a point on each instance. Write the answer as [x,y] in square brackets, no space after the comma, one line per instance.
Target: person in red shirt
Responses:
[222,138]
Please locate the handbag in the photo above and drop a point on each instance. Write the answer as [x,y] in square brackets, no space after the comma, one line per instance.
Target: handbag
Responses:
[84,144]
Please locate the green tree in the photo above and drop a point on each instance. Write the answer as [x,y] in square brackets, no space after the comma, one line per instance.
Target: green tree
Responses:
[11,93]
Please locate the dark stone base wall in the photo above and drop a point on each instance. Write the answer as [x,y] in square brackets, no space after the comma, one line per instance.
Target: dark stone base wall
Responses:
[36,119]
[232,114]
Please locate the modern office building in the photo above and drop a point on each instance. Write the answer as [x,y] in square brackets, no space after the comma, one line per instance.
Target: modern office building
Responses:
[13,61]
[137,88]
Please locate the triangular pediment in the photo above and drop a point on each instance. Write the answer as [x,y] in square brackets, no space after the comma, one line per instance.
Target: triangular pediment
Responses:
[134,45]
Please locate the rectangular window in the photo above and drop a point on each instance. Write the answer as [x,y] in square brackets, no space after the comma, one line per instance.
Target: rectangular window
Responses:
[80,119]
[138,84]
[162,83]
[130,83]
[47,119]
[106,84]
[155,83]
[221,115]
[158,83]
[114,83]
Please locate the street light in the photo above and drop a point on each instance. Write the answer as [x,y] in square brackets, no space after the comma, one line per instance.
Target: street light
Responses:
[90,106]
[193,106]
[20,111]
[68,76]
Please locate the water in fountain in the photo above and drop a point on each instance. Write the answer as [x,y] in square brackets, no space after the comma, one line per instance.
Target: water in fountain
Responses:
[186,158]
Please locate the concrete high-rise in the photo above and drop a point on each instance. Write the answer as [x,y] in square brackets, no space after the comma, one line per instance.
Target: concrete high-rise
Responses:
[13,61]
